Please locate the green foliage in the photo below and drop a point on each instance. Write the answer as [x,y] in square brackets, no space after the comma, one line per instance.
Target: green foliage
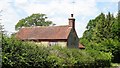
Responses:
[20,54]
[102,34]
[1,44]
[100,57]
[102,27]
[33,20]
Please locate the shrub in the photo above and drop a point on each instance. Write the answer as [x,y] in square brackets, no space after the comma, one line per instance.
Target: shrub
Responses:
[102,59]
[20,54]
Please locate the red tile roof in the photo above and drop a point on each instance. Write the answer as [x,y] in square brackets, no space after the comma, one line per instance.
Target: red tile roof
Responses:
[41,32]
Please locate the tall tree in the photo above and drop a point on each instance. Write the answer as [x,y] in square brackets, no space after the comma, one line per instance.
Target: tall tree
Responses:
[103,34]
[102,27]
[1,26]
[118,18]
[33,20]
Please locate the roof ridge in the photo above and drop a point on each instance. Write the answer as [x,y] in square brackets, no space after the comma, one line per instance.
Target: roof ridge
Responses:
[47,26]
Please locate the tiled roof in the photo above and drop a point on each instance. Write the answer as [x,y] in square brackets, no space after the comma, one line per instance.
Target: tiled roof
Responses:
[43,32]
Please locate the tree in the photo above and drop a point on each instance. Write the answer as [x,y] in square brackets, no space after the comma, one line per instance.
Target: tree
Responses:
[102,34]
[33,20]
[1,29]
[118,18]
[102,27]
[1,37]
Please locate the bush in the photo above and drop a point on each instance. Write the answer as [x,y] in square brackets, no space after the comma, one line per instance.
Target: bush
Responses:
[102,59]
[20,54]
[107,45]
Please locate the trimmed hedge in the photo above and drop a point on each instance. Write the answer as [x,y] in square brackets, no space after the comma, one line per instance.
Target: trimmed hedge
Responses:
[27,55]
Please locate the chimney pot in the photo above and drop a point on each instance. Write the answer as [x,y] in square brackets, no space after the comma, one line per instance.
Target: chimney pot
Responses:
[71,15]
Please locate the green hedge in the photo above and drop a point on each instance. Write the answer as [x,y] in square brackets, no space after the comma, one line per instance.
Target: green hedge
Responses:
[107,45]
[27,55]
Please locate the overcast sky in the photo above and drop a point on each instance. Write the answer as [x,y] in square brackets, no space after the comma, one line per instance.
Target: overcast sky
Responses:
[57,11]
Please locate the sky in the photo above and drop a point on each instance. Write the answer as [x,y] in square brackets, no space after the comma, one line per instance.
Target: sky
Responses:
[57,11]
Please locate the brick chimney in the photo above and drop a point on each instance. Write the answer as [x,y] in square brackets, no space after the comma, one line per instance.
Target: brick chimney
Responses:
[72,21]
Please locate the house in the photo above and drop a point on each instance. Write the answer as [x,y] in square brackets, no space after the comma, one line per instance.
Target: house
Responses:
[50,35]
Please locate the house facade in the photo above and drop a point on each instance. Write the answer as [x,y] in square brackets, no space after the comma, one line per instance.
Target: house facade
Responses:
[65,36]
